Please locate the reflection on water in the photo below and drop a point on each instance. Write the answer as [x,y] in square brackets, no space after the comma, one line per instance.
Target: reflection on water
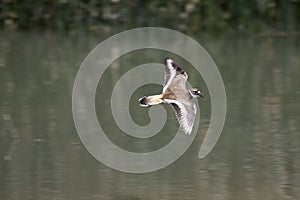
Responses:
[257,156]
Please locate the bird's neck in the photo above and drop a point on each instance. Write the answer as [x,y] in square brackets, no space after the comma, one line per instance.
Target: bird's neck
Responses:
[191,96]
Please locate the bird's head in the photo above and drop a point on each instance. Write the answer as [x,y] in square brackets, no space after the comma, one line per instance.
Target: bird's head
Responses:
[196,93]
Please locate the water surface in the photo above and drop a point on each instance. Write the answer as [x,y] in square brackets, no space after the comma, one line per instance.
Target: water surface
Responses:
[42,157]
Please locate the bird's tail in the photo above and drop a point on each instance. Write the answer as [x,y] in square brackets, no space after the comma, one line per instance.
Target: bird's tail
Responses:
[150,100]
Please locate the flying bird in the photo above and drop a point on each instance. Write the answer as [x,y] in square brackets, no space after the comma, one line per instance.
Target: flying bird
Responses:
[177,95]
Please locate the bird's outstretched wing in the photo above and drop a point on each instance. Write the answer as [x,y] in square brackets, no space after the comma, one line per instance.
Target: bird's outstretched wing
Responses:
[185,113]
[174,73]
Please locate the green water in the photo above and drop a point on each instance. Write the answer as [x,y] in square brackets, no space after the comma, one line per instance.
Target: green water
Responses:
[42,157]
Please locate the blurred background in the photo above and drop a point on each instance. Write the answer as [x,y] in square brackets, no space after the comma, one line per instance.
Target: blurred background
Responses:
[256,47]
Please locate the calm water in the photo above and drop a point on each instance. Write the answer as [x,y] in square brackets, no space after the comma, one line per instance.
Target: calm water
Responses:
[42,157]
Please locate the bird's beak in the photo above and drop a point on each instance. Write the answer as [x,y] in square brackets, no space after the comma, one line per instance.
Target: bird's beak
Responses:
[202,94]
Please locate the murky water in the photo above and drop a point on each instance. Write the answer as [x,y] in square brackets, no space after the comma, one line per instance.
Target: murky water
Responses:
[42,157]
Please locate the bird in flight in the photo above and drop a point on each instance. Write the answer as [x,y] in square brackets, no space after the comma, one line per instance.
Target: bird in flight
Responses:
[177,95]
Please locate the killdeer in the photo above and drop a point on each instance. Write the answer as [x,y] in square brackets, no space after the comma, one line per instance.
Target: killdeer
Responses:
[177,95]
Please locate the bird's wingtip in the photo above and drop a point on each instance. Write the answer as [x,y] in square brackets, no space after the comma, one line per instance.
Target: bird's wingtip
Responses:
[167,59]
